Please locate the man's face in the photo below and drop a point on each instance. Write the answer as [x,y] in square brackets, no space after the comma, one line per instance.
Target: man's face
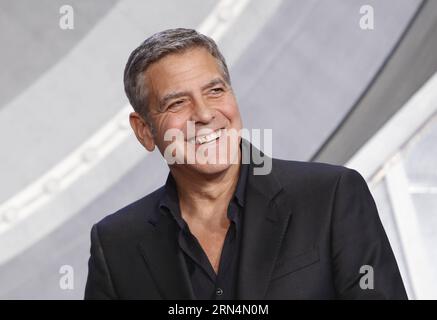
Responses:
[189,87]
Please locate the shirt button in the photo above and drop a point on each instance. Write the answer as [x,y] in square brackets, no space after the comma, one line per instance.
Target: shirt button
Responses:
[219,291]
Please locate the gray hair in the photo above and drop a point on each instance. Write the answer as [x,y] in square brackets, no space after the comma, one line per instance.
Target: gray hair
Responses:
[157,47]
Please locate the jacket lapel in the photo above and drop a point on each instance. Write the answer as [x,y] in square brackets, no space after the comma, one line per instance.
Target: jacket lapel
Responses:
[166,263]
[265,219]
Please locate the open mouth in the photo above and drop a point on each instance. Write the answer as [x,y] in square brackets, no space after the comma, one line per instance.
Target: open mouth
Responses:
[207,138]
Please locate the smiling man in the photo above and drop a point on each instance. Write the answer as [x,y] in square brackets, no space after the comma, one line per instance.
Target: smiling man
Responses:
[216,229]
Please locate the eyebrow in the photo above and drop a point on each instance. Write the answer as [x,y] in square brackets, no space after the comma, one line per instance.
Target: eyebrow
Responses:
[171,96]
[175,95]
[213,83]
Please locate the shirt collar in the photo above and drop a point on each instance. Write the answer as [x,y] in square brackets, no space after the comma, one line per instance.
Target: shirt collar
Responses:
[170,200]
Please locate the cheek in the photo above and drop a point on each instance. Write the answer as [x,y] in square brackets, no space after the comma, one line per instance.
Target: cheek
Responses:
[171,121]
[230,110]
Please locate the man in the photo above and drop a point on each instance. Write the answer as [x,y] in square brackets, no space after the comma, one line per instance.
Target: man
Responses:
[216,230]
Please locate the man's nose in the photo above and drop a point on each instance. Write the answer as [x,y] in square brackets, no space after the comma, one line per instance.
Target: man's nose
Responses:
[202,113]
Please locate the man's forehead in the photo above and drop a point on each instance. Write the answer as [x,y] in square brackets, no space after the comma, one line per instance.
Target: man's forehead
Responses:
[162,82]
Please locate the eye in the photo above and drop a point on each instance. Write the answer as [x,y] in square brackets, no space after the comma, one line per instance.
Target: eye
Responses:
[217,91]
[176,104]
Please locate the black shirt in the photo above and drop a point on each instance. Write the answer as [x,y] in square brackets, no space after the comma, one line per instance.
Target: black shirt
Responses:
[205,282]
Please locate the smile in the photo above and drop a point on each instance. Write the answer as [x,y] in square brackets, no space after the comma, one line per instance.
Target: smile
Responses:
[206,138]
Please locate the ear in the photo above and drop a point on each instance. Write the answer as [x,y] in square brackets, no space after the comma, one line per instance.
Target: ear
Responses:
[142,130]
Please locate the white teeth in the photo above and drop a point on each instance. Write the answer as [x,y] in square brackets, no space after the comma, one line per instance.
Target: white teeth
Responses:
[207,138]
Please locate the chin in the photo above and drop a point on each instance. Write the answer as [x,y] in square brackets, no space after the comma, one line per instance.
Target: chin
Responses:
[210,169]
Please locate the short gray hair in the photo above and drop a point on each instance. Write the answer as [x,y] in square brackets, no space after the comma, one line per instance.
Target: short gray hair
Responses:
[157,47]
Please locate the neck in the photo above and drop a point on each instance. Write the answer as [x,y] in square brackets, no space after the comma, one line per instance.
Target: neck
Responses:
[206,197]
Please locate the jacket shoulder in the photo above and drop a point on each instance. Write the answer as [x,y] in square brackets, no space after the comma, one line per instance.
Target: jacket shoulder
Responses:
[135,214]
[304,169]
[312,175]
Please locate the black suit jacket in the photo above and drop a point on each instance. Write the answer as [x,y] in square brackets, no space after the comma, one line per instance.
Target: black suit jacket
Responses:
[308,228]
